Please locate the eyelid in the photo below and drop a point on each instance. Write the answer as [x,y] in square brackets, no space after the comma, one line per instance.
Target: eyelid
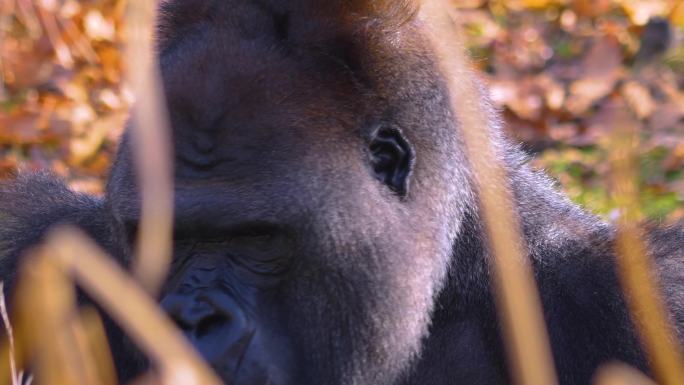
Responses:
[251,246]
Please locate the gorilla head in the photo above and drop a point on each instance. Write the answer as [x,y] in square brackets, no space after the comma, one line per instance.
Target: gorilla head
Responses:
[326,226]
[318,188]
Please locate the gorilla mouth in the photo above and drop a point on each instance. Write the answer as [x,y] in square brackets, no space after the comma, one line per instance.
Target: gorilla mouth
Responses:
[228,365]
[216,297]
[244,362]
[222,335]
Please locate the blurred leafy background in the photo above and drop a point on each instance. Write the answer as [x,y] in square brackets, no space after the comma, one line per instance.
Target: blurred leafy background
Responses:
[558,70]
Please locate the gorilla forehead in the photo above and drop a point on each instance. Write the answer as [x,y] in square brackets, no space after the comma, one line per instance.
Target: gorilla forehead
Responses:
[231,68]
[294,19]
[249,18]
[257,66]
[248,22]
[310,51]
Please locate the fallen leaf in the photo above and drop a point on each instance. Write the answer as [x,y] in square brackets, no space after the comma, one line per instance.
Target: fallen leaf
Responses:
[677,15]
[601,70]
[639,99]
[641,11]
[591,8]
[665,117]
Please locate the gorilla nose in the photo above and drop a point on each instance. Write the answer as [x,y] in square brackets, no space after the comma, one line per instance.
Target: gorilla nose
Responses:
[192,315]
[214,324]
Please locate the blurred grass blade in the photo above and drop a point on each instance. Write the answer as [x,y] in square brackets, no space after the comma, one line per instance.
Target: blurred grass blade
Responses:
[152,148]
[97,346]
[90,373]
[11,348]
[618,374]
[149,378]
[635,265]
[6,357]
[46,308]
[519,304]
[138,315]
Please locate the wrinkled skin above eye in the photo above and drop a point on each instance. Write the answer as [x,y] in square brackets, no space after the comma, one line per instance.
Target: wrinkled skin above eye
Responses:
[262,254]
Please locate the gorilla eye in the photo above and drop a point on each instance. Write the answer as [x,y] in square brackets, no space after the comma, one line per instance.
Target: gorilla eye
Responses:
[392,159]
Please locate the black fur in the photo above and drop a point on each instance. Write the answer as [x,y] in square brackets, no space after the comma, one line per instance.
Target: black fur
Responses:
[33,203]
[322,259]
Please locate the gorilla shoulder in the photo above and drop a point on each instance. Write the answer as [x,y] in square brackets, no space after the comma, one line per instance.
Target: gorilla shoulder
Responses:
[667,247]
[31,204]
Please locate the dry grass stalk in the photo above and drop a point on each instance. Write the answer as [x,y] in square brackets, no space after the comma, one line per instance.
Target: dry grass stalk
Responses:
[152,148]
[621,375]
[97,345]
[635,265]
[93,349]
[46,306]
[176,360]
[89,370]
[519,304]
[53,33]
[149,378]
[6,356]
[78,352]
[15,375]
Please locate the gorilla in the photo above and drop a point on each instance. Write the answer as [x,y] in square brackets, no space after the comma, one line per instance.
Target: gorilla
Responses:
[327,227]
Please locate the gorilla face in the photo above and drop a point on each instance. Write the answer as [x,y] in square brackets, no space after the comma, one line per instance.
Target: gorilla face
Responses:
[317,193]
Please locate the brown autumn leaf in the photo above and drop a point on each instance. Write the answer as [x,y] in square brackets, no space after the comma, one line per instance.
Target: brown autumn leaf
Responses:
[641,11]
[563,132]
[675,159]
[677,15]
[22,128]
[639,99]
[665,117]
[98,27]
[25,65]
[518,5]
[591,8]
[467,4]
[86,146]
[523,97]
[601,68]
[553,91]
[598,126]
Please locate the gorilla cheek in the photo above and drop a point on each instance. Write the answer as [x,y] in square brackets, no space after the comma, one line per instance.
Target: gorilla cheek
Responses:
[365,314]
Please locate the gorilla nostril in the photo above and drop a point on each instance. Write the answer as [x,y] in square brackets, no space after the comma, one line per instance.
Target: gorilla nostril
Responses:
[183,324]
[193,314]
[209,324]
